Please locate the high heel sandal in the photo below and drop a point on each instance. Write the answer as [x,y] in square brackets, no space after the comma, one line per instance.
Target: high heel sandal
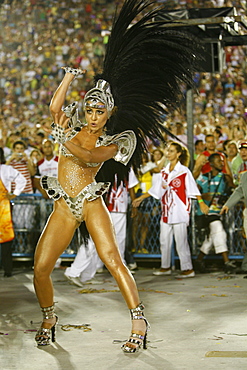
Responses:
[74,71]
[44,335]
[136,339]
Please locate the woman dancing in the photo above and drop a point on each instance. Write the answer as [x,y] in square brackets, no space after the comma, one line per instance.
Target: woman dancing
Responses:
[130,93]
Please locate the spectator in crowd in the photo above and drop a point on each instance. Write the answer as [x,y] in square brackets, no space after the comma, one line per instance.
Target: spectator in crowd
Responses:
[141,222]
[7,151]
[240,193]
[23,217]
[202,164]
[243,154]
[39,138]
[212,186]
[35,157]
[8,175]
[199,148]
[236,162]
[47,166]
[175,188]
[231,151]
[20,161]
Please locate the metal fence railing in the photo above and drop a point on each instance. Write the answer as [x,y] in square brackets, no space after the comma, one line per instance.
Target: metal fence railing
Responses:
[30,214]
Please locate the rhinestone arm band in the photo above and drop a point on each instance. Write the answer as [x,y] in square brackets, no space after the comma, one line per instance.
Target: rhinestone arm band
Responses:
[73,71]
[58,133]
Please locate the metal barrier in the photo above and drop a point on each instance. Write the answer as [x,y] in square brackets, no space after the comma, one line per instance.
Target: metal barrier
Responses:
[31,212]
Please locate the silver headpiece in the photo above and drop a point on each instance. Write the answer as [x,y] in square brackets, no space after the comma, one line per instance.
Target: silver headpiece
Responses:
[101,93]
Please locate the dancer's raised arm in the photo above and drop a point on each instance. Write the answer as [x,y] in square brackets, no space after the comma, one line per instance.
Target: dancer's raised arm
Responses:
[59,96]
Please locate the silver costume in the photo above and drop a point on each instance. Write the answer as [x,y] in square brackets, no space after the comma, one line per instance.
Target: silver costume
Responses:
[91,192]
[126,142]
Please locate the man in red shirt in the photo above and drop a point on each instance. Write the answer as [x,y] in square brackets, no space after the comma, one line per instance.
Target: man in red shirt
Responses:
[202,164]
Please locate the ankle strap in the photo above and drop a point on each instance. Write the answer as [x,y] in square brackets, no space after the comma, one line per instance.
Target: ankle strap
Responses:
[48,312]
[137,313]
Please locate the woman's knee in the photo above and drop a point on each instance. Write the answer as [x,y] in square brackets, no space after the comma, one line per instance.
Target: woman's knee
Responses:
[112,261]
[42,270]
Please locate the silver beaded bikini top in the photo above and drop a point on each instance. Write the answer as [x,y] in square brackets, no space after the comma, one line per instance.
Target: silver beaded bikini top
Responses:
[126,140]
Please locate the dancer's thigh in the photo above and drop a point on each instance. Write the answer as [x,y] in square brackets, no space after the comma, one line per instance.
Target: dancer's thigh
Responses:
[100,227]
[56,236]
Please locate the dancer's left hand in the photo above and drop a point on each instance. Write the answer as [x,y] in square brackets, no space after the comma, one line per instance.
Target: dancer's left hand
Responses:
[62,120]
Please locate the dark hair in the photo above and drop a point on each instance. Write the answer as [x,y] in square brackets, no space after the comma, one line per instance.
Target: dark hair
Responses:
[209,135]
[156,150]
[19,142]
[198,142]
[2,158]
[225,144]
[41,134]
[185,155]
[212,157]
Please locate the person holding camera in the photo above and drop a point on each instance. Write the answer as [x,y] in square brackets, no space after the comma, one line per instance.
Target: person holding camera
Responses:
[23,215]
[20,161]
[215,187]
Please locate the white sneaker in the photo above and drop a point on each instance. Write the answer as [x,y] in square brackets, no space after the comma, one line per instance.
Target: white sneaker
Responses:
[58,263]
[132,266]
[93,281]
[159,272]
[185,276]
[74,280]
[100,270]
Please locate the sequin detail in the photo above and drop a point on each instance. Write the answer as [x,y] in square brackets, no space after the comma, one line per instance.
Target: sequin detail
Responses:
[91,192]
[126,142]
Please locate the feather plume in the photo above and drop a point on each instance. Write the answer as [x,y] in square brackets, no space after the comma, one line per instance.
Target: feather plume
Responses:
[147,64]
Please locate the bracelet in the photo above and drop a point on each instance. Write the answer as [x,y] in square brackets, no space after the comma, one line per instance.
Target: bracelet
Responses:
[200,200]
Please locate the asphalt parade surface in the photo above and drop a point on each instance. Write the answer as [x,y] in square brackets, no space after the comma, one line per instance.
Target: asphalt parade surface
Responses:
[196,323]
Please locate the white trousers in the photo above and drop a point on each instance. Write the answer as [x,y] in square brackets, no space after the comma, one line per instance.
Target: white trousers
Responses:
[179,231]
[217,239]
[87,261]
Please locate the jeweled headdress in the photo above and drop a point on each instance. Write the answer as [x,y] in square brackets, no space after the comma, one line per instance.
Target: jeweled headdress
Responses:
[101,93]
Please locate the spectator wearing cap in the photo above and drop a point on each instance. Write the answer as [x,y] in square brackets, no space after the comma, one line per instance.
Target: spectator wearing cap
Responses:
[239,165]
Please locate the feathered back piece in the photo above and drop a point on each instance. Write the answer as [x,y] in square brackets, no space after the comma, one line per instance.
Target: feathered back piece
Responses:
[146,64]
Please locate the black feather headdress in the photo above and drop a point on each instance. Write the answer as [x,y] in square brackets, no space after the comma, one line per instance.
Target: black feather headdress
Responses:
[147,65]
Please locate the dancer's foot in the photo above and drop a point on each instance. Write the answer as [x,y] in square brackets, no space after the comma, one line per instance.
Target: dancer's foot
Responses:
[46,332]
[48,327]
[140,326]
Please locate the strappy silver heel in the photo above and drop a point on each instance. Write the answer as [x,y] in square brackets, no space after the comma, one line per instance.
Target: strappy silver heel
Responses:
[44,335]
[136,339]
[74,71]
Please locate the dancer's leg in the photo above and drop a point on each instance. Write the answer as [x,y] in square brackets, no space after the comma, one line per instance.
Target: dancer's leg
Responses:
[55,238]
[100,227]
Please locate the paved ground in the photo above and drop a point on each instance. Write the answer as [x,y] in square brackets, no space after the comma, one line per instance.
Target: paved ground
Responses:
[197,323]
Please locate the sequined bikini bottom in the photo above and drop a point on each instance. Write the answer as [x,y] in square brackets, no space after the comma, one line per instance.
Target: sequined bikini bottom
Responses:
[91,192]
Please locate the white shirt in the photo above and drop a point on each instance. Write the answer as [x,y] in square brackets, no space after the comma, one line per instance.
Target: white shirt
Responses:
[8,174]
[47,168]
[175,189]
[118,197]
